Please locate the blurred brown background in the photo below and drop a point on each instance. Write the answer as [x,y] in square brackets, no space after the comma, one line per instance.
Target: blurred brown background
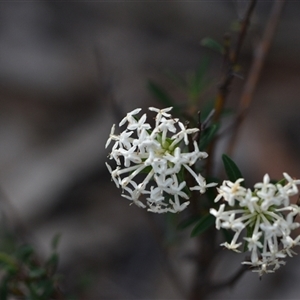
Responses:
[65,68]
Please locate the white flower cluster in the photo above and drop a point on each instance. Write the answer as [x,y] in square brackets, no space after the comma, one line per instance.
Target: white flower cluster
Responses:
[265,215]
[156,155]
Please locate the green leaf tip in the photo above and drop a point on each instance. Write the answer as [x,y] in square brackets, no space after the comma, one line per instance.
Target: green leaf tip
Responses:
[212,44]
[232,170]
[204,223]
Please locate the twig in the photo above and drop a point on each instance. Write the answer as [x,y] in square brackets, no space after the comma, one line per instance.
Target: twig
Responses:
[233,59]
[255,70]
[206,242]
[227,79]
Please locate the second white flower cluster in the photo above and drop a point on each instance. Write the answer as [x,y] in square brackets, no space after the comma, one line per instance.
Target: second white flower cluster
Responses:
[265,215]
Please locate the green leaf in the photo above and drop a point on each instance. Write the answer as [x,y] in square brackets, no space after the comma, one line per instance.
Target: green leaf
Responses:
[187,222]
[212,44]
[33,291]
[231,169]
[162,96]
[48,289]
[176,79]
[199,81]
[24,252]
[4,289]
[55,241]
[8,262]
[37,273]
[281,181]
[52,263]
[208,135]
[206,109]
[204,223]
[42,290]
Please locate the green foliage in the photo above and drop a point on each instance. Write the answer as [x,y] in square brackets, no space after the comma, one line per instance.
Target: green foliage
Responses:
[208,135]
[198,82]
[161,95]
[194,85]
[203,224]
[55,241]
[231,169]
[212,44]
[187,222]
[24,276]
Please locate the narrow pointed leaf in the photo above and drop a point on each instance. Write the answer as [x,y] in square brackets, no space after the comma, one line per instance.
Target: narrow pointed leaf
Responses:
[208,135]
[160,94]
[188,222]
[204,223]
[55,241]
[212,44]
[231,169]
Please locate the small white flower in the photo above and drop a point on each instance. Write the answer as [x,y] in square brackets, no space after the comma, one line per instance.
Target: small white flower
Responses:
[129,117]
[265,215]
[111,136]
[232,246]
[218,214]
[161,113]
[184,133]
[231,191]
[155,157]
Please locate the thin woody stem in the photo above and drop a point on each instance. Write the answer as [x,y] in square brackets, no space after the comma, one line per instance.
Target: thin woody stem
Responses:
[243,31]
[233,59]
[255,70]
[201,286]
[227,79]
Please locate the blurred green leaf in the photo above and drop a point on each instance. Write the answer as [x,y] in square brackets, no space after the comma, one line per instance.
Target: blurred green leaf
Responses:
[281,181]
[176,79]
[204,223]
[207,136]
[52,263]
[212,44]
[47,289]
[162,96]
[4,289]
[8,262]
[206,109]
[55,241]
[36,273]
[33,292]
[231,169]
[188,222]
[199,81]
[24,253]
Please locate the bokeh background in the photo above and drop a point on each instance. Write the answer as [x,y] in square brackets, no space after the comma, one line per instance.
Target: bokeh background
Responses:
[69,70]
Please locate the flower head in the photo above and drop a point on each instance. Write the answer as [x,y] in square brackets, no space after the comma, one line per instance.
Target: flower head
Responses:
[265,215]
[151,161]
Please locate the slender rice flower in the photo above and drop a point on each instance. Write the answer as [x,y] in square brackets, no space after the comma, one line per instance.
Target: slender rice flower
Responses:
[151,161]
[266,217]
